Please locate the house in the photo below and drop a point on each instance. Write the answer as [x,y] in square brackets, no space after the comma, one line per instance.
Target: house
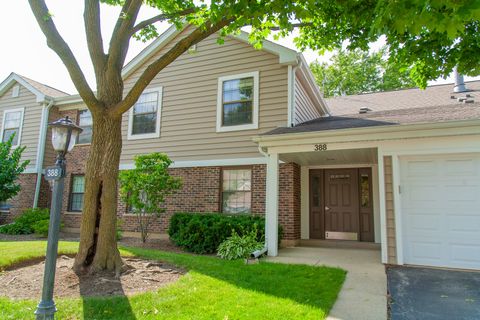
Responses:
[250,132]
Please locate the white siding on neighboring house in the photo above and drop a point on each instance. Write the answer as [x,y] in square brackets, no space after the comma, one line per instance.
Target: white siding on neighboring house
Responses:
[31,120]
[189,106]
[305,108]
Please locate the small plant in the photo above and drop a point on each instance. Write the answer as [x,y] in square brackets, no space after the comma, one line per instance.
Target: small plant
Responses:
[239,247]
[145,188]
[24,223]
[41,227]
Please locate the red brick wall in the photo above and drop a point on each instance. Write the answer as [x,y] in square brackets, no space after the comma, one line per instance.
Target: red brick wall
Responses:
[289,201]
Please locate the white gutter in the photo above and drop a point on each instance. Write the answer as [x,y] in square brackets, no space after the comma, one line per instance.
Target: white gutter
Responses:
[41,150]
[291,93]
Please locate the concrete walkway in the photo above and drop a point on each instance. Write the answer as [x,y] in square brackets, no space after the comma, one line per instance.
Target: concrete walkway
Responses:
[363,295]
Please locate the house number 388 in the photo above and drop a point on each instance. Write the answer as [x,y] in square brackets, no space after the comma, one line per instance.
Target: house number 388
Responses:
[321,147]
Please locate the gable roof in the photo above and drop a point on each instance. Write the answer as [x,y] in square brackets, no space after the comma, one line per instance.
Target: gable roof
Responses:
[40,90]
[285,55]
[436,95]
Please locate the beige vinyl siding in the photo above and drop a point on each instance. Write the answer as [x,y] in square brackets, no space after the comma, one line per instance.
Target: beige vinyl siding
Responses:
[189,104]
[31,120]
[305,108]
[391,239]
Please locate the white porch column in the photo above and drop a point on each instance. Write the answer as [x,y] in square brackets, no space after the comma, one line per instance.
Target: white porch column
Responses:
[271,205]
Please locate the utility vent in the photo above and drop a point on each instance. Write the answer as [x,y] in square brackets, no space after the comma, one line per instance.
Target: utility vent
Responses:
[16,91]
[364,110]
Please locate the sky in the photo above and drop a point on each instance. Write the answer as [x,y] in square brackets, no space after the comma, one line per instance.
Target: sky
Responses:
[24,49]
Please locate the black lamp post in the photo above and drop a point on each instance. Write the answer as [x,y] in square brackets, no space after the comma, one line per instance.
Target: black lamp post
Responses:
[64,136]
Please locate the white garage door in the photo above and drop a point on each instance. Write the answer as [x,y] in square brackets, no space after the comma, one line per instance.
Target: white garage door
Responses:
[441,210]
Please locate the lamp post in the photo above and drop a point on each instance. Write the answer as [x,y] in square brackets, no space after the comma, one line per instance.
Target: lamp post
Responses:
[64,136]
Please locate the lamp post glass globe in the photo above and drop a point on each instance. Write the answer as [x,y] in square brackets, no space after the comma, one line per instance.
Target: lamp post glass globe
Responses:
[64,135]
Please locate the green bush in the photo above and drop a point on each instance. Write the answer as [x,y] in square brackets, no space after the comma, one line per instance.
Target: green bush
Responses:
[238,247]
[23,224]
[203,233]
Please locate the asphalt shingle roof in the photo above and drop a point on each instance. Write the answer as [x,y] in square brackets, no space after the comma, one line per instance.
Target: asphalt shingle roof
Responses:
[43,88]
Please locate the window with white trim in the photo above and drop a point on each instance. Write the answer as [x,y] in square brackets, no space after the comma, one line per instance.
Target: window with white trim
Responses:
[236,191]
[85,122]
[12,124]
[237,102]
[77,191]
[144,117]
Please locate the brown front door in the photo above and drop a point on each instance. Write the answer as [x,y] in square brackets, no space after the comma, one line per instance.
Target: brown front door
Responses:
[341,204]
[336,211]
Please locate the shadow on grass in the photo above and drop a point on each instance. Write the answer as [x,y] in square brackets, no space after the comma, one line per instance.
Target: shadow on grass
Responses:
[317,287]
[116,307]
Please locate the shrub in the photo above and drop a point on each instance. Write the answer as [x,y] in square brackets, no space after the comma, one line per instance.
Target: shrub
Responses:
[238,247]
[23,224]
[203,233]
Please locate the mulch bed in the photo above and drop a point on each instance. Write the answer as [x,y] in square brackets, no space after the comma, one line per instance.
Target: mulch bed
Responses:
[140,276]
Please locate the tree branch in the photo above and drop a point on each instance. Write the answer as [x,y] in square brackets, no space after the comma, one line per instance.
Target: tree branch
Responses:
[160,17]
[294,25]
[117,51]
[155,67]
[60,47]
[93,31]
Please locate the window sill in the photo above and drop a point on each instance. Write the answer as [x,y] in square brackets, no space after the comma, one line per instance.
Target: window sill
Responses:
[143,136]
[252,126]
[83,144]
[73,212]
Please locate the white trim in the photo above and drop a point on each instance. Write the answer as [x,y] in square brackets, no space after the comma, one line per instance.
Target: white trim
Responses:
[16,91]
[30,170]
[271,205]
[151,49]
[383,207]
[12,78]
[73,99]
[207,163]
[155,134]
[376,205]
[398,209]
[255,106]
[78,107]
[20,129]
[291,96]
[42,137]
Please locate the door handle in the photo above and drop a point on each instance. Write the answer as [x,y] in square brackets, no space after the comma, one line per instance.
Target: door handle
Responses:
[327,208]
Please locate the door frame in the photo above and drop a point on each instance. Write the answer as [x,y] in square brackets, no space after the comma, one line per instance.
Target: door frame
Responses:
[320,171]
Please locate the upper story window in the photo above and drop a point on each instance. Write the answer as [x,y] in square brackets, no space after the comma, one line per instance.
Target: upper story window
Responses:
[12,124]
[237,102]
[144,117]
[76,193]
[85,122]
[236,191]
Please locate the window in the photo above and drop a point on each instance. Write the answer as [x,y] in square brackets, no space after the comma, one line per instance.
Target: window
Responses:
[12,124]
[76,193]
[237,102]
[85,122]
[144,118]
[236,191]
[4,206]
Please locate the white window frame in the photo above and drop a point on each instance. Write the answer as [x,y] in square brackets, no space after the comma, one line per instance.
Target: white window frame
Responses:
[155,134]
[250,126]
[78,123]
[20,129]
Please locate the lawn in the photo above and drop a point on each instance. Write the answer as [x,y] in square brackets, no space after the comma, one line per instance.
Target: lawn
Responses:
[212,289]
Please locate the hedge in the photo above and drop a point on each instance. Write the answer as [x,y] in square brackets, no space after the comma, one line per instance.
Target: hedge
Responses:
[204,232]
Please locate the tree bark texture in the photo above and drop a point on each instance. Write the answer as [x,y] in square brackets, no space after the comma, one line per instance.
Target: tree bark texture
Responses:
[98,246]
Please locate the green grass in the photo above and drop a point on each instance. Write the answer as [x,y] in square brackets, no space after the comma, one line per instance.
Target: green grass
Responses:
[212,289]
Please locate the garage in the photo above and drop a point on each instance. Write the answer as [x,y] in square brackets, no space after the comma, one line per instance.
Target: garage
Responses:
[440,210]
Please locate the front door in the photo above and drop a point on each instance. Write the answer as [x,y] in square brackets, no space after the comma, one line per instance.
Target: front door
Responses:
[341,204]
[336,211]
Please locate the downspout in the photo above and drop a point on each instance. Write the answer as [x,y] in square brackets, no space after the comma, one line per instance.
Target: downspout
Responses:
[258,253]
[291,93]
[41,150]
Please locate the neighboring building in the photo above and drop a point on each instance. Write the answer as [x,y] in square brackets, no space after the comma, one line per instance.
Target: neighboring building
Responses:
[250,133]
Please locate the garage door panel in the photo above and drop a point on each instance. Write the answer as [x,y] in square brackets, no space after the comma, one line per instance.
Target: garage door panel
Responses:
[440,203]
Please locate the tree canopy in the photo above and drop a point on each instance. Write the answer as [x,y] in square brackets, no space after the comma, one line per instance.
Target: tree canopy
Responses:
[357,71]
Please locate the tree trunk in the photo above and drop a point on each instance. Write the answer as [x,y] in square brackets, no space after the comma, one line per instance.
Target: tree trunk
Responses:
[98,246]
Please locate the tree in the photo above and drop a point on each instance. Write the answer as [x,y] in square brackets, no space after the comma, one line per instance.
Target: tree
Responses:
[323,25]
[10,169]
[357,71]
[145,188]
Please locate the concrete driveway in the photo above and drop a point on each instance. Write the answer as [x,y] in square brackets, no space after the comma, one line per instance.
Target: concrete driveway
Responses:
[363,295]
[430,294]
